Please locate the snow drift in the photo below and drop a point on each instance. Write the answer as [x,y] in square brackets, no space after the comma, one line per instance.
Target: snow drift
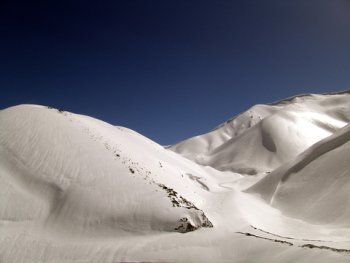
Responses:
[314,187]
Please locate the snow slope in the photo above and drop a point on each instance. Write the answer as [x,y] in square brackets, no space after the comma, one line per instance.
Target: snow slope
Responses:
[315,186]
[266,136]
[84,175]
[77,189]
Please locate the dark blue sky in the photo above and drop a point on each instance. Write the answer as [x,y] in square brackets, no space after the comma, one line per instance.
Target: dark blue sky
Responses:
[170,69]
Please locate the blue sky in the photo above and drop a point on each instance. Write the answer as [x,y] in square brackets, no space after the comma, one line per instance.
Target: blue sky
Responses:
[170,69]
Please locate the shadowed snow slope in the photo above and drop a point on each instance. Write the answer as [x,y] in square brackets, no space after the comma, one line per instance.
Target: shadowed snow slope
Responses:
[85,175]
[265,136]
[315,186]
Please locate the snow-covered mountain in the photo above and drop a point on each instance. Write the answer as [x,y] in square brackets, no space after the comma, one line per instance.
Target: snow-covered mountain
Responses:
[77,189]
[314,186]
[85,175]
[265,136]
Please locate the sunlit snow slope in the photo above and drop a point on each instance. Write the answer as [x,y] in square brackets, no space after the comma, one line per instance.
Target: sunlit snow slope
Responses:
[84,175]
[77,189]
[316,185]
[265,136]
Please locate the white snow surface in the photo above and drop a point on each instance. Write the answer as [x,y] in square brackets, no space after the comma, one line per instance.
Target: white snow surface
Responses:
[320,177]
[77,189]
[266,136]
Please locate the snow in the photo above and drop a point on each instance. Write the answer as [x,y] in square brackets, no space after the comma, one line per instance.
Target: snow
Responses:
[266,136]
[320,177]
[63,167]
[269,185]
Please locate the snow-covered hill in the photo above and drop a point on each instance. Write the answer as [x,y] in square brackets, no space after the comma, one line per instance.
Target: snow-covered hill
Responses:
[85,175]
[315,186]
[77,189]
[266,136]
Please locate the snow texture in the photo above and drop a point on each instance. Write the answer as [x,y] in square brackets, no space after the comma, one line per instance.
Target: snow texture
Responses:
[269,185]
